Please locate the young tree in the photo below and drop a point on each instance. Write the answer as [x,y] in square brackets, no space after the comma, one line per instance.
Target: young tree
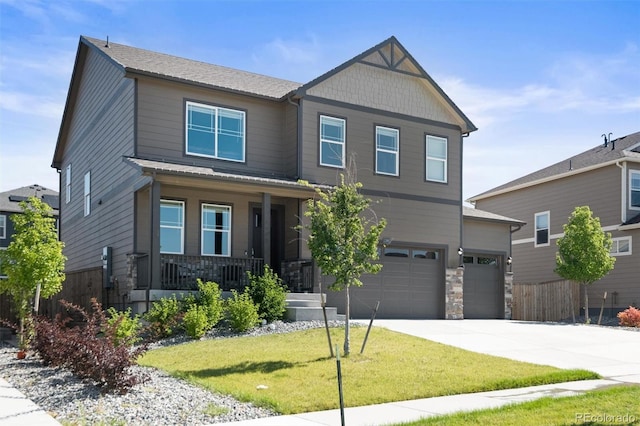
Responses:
[33,262]
[583,253]
[343,239]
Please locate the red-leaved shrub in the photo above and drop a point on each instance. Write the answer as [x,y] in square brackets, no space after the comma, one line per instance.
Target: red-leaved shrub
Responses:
[88,350]
[630,317]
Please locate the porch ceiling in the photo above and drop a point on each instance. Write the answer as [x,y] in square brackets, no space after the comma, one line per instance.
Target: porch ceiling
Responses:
[205,177]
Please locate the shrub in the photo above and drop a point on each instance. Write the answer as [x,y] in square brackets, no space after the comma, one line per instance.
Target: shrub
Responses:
[630,317]
[242,313]
[126,327]
[164,316]
[88,350]
[210,298]
[196,322]
[268,293]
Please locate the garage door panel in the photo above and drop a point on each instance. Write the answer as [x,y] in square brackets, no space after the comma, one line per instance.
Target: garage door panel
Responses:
[483,293]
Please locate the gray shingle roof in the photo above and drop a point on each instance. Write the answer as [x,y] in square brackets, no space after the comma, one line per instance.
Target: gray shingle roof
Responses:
[9,200]
[590,158]
[488,216]
[142,61]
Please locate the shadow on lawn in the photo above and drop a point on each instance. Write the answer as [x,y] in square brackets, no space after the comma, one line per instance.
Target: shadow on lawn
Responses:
[247,367]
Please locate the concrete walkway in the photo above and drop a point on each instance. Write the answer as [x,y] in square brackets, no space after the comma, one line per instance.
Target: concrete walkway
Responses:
[611,352]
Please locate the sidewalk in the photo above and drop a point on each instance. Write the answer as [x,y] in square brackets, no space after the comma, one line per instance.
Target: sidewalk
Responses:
[16,409]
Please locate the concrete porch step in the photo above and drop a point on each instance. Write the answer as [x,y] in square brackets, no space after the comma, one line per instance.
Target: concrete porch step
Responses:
[301,313]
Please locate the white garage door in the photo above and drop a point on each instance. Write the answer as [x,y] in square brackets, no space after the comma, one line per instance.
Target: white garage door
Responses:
[483,291]
[410,285]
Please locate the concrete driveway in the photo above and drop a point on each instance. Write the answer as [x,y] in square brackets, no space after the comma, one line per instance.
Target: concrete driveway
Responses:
[611,352]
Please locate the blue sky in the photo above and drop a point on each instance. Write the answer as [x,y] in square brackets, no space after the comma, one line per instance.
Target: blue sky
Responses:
[541,80]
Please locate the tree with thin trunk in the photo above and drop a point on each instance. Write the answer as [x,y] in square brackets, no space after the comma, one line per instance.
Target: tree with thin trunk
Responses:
[33,262]
[344,236]
[584,251]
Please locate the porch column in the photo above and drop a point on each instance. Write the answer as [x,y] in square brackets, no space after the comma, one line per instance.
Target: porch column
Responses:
[154,222]
[266,228]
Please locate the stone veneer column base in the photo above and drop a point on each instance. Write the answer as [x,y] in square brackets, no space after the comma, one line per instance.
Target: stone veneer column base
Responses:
[454,307]
[508,294]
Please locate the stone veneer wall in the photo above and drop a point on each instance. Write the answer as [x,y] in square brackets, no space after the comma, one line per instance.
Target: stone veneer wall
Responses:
[508,294]
[454,307]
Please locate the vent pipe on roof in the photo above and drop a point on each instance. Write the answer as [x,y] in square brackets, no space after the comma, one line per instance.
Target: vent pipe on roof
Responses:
[107,46]
[613,143]
[606,141]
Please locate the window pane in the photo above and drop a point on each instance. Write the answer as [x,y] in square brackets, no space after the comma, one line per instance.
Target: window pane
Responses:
[386,162]
[200,142]
[331,154]
[171,240]
[623,246]
[387,139]
[332,129]
[171,215]
[396,252]
[3,226]
[201,118]
[542,236]
[437,147]
[542,221]
[171,227]
[435,170]
[216,230]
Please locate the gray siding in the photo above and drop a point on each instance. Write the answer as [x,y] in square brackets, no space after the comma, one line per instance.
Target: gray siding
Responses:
[101,132]
[161,127]
[481,236]
[599,189]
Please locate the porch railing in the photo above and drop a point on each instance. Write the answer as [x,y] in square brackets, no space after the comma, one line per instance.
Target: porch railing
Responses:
[180,272]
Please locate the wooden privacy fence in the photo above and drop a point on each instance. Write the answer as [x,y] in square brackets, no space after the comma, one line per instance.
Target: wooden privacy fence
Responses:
[550,301]
[77,288]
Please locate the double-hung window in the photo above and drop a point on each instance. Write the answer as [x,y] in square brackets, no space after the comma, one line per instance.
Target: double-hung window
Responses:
[542,229]
[171,227]
[215,132]
[436,159]
[387,150]
[3,226]
[216,230]
[634,190]
[87,193]
[332,141]
[621,246]
[67,184]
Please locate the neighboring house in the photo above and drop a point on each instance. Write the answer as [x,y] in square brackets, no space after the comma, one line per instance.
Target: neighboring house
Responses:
[10,205]
[605,178]
[173,170]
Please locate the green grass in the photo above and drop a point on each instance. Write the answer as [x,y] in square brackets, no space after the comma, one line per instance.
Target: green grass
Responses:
[301,376]
[616,405]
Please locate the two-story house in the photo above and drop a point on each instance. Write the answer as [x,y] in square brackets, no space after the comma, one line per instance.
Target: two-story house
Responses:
[607,179]
[173,169]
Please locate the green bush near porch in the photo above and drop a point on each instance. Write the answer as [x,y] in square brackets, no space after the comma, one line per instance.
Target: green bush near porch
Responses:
[301,377]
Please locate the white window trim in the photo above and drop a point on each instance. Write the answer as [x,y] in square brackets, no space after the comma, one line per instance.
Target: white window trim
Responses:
[445,160]
[202,230]
[87,193]
[535,229]
[396,152]
[343,143]
[67,184]
[3,227]
[631,173]
[215,132]
[616,245]
[181,203]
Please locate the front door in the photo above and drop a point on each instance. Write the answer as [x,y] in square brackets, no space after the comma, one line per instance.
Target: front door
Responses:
[277,235]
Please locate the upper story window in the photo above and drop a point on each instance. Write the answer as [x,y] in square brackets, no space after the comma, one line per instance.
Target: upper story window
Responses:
[87,194]
[171,227]
[621,246]
[67,184]
[3,226]
[542,229]
[216,230]
[634,190]
[387,150]
[436,159]
[215,132]
[332,141]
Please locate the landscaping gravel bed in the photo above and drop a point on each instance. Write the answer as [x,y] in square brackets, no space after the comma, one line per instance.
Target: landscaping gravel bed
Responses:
[159,400]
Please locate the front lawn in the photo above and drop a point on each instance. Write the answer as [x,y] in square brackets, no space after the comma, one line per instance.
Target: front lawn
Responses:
[616,405]
[299,375]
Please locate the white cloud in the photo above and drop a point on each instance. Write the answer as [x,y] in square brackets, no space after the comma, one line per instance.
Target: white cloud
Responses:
[31,104]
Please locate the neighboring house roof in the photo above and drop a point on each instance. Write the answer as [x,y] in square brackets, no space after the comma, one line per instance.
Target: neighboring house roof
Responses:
[471,213]
[623,148]
[9,200]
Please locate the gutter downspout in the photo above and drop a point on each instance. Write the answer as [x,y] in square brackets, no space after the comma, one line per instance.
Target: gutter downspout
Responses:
[623,188]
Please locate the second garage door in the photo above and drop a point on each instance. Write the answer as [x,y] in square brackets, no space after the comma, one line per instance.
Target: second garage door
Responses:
[410,285]
[483,291]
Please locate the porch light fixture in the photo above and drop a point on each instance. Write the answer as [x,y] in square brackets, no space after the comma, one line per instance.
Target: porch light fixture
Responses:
[386,241]
[460,251]
[509,262]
